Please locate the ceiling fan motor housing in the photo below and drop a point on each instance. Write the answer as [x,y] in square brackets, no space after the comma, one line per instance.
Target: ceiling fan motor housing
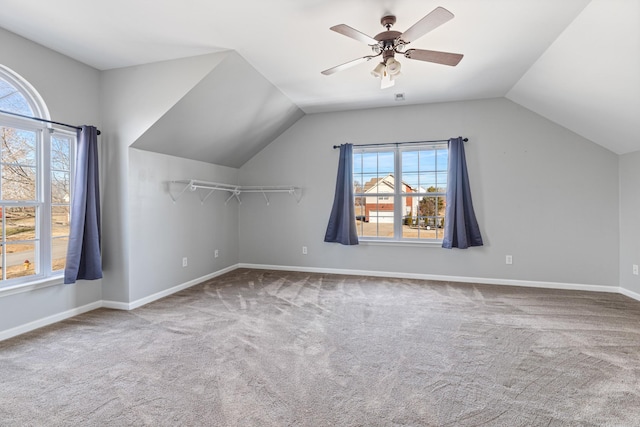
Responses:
[388,37]
[387,42]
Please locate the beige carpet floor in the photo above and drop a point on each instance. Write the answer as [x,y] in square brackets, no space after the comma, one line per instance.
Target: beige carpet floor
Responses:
[270,348]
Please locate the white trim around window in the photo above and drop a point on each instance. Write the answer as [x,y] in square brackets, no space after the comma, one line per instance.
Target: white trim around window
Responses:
[406,214]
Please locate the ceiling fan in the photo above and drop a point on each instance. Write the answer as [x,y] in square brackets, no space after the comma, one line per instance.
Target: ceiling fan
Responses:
[388,43]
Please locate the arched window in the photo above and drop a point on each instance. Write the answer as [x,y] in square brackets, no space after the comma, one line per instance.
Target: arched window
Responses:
[36,161]
[18,96]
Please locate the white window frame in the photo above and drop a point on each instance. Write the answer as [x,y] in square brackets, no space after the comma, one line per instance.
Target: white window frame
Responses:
[44,275]
[398,196]
[32,96]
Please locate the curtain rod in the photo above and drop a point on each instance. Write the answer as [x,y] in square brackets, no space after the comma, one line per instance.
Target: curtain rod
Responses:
[400,143]
[42,120]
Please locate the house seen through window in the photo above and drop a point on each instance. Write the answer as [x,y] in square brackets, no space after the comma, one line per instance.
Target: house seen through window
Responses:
[399,193]
[35,187]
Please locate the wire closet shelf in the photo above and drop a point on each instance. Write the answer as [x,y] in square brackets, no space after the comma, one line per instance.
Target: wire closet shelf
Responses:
[234,190]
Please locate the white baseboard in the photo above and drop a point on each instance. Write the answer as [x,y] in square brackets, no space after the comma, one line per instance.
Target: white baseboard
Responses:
[630,294]
[9,333]
[146,300]
[460,279]
[46,321]
[36,324]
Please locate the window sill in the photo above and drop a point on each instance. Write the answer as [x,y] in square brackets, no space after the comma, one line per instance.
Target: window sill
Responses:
[430,244]
[31,286]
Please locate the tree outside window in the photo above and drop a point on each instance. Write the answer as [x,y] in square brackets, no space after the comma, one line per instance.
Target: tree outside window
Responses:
[35,188]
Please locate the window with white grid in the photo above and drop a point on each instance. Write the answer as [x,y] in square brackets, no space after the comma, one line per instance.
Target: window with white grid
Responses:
[399,192]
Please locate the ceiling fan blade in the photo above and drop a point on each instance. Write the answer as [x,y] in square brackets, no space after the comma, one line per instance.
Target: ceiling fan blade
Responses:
[433,20]
[347,65]
[346,30]
[444,58]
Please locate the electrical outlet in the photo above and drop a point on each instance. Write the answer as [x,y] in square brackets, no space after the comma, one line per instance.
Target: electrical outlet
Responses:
[216,253]
[635,269]
[184,262]
[304,250]
[509,259]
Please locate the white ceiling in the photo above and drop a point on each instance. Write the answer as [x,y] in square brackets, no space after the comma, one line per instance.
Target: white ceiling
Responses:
[576,62]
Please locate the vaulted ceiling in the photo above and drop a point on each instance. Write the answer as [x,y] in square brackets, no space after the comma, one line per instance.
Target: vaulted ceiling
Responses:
[228,117]
[576,62]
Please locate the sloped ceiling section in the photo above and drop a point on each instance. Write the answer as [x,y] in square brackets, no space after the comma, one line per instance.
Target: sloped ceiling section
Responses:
[589,79]
[227,118]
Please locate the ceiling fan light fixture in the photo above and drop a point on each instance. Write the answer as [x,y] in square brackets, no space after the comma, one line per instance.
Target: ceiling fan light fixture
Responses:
[393,67]
[379,70]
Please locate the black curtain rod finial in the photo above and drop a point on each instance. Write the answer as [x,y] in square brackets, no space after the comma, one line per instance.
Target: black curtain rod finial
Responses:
[97,130]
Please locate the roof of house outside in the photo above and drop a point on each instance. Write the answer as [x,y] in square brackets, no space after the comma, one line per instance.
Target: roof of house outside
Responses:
[373,184]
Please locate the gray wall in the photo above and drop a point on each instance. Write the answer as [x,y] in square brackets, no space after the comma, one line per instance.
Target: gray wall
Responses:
[541,193]
[163,232]
[629,220]
[70,91]
[133,99]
